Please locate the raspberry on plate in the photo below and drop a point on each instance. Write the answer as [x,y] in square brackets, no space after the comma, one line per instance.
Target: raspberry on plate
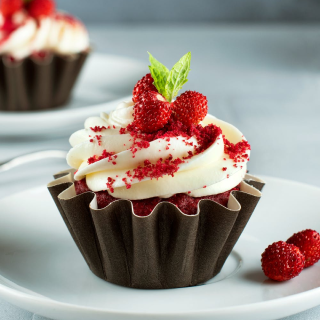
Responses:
[282,261]
[190,107]
[151,112]
[9,7]
[143,85]
[38,8]
[308,241]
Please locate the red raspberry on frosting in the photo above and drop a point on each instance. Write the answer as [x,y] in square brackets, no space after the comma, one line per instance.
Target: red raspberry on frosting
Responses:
[39,8]
[9,7]
[151,111]
[190,107]
[143,85]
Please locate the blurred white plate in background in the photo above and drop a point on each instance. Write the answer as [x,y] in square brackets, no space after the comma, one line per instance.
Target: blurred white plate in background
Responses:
[104,82]
[42,270]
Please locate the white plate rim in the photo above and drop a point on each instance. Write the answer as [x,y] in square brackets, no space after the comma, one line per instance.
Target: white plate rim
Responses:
[310,298]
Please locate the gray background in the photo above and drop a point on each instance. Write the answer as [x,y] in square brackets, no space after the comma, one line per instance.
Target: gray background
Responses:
[197,11]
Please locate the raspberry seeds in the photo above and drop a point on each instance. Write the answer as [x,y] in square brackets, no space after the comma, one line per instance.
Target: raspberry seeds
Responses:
[283,261]
[153,96]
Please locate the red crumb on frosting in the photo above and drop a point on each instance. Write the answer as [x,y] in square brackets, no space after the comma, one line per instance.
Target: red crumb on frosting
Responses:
[110,184]
[110,155]
[224,169]
[128,185]
[205,136]
[237,151]
[98,137]
[184,202]
[157,170]
[98,128]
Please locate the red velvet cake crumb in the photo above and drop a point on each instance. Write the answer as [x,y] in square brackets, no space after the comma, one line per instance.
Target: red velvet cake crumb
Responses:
[184,202]
[81,186]
[105,154]
[104,199]
[98,128]
[157,170]
[188,205]
[205,136]
[144,207]
[237,151]
[110,184]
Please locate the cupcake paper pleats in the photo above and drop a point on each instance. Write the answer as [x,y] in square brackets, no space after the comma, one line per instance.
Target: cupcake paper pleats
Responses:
[38,84]
[167,249]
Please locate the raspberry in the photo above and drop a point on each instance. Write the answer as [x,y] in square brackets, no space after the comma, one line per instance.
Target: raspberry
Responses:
[308,241]
[282,261]
[9,7]
[190,107]
[151,111]
[145,84]
[38,8]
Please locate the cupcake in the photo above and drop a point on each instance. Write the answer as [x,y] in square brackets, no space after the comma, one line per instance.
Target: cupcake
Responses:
[42,52]
[158,193]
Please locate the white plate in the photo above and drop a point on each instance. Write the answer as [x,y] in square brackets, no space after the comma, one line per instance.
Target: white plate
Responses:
[104,81]
[42,271]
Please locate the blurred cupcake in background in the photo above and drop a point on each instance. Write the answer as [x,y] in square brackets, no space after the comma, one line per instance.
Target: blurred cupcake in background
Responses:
[42,52]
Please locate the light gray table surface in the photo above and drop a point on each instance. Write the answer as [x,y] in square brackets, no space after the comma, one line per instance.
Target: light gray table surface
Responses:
[264,79]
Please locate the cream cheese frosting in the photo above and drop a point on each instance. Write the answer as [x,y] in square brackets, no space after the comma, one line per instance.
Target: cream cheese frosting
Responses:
[59,33]
[207,173]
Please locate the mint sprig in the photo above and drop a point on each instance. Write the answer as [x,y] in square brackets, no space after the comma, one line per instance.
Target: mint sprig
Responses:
[168,83]
[159,73]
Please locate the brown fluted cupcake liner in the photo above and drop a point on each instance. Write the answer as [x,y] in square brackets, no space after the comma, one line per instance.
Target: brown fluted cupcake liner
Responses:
[38,84]
[166,249]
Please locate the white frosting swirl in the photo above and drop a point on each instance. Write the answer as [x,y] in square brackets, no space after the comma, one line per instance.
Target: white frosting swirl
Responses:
[59,33]
[198,176]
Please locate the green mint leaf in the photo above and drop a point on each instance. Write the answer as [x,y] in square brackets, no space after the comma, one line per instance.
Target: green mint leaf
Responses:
[159,73]
[177,77]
